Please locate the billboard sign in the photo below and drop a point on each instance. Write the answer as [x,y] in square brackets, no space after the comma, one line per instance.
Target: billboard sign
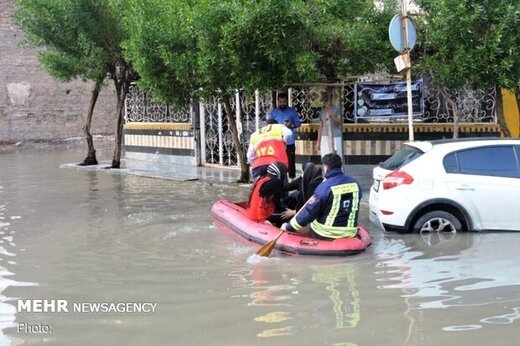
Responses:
[387,100]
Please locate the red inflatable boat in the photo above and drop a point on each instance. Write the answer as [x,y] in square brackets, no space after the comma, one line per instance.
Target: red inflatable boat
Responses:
[231,217]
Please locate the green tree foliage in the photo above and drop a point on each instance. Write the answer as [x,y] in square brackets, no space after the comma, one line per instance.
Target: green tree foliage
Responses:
[186,50]
[351,37]
[80,39]
[70,33]
[161,46]
[189,49]
[472,42]
[258,44]
[209,48]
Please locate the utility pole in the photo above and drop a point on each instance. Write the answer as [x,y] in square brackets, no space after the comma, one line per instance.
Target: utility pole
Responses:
[406,53]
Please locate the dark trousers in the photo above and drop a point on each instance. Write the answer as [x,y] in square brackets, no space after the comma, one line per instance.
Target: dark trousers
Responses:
[291,156]
[276,220]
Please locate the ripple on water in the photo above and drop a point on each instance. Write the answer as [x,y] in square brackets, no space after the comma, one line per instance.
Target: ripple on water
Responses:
[450,272]
[462,328]
[255,259]
[503,319]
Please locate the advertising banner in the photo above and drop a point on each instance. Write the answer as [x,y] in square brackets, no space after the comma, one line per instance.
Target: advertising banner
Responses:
[387,100]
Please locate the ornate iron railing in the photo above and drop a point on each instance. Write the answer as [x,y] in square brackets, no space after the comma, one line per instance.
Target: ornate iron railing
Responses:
[474,106]
[140,107]
[212,125]
[217,147]
[251,113]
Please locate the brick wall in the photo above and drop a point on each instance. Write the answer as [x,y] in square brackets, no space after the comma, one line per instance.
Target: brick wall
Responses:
[34,106]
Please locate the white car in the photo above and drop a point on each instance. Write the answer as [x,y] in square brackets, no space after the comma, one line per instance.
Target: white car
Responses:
[449,186]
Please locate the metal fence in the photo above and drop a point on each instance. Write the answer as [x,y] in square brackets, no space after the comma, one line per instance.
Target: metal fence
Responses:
[140,107]
[475,106]
[217,148]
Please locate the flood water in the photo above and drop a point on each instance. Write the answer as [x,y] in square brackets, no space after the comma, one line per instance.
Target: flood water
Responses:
[95,236]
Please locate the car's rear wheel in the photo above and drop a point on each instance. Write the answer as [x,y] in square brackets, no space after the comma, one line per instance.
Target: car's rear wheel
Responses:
[438,221]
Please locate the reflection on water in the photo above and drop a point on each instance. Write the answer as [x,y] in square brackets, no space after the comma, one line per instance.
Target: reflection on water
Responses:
[271,295]
[465,270]
[291,300]
[445,268]
[7,255]
[104,236]
[262,293]
[274,317]
[340,282]
[268,333]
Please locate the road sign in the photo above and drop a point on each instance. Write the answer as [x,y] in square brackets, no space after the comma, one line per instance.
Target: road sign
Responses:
[395,33]
[402,62]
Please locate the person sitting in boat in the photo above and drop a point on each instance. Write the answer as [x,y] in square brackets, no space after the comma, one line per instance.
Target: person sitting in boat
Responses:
[305,185]
[266,195]
[267,145]
[332,211]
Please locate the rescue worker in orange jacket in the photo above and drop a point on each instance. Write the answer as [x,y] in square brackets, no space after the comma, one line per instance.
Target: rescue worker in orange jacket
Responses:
[265,198]
[267,145]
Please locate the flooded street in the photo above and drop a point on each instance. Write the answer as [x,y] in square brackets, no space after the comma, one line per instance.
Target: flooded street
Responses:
[96,236]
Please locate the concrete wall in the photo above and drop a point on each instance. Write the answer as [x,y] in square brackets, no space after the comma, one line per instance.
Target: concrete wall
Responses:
[34,106]
[175,143]
[365,144]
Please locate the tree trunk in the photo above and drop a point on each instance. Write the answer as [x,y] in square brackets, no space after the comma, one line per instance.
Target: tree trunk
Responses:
[455,110]
[244,167]
[499,109]
[456,119]
[122,91]
[450,102]
[122,85]
[116,159]
[91,152]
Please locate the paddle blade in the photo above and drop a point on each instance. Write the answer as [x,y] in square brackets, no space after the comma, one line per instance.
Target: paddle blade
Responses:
[266,250]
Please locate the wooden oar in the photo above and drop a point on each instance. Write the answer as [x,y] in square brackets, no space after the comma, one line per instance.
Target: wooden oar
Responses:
[267,248]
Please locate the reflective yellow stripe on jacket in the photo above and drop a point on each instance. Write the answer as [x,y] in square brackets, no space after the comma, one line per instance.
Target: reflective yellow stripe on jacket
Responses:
[349,230]
[269,132]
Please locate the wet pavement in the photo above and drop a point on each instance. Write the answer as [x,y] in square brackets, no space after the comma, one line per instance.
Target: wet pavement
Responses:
[362,173]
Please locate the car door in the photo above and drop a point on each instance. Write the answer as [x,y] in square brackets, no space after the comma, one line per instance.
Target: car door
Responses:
[486,181]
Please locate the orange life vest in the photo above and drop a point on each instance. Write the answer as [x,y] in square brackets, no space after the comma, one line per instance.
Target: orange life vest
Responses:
[259,208]
[269,146]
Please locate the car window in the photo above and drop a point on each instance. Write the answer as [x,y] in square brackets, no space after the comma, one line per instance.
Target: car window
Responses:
[401,158]
[450,163]
[498,161]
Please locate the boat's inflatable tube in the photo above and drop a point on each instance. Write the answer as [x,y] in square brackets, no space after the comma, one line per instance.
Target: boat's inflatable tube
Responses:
[231,217]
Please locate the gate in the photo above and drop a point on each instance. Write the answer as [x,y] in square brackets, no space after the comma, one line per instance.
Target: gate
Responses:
[217,147]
